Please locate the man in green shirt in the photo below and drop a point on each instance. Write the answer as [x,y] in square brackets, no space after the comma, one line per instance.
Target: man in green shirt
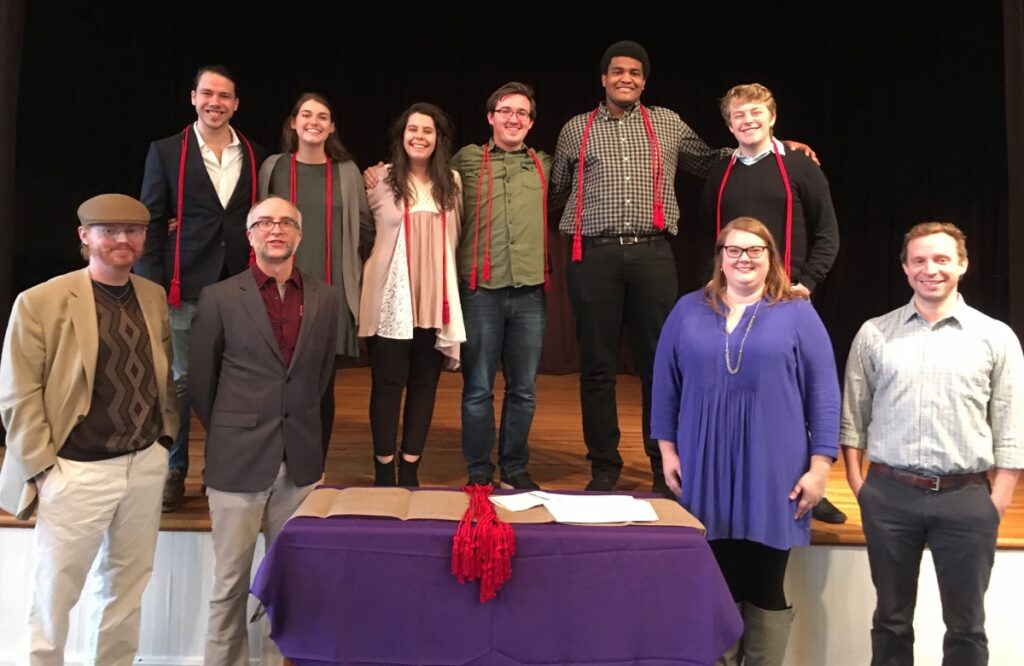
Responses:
[503,270]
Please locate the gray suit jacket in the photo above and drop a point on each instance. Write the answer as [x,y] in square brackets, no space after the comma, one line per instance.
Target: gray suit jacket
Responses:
[254,408]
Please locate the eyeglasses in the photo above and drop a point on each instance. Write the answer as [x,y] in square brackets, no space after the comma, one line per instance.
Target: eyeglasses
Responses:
[265,224]
[506,112]
[735,251]
[112,231]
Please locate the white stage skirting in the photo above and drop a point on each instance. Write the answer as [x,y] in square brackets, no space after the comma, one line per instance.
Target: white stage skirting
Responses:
[830,587]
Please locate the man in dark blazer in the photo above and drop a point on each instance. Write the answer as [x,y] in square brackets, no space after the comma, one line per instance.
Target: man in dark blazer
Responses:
[268,338]
[198,186]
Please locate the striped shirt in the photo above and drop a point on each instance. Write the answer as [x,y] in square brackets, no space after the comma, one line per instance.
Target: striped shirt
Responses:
[941,398]
[618,188]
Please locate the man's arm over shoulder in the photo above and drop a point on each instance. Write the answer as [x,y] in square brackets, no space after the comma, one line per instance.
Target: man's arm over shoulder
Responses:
[205,354]
[695,156]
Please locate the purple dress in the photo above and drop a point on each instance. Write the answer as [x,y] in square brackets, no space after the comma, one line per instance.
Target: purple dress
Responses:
[744,440]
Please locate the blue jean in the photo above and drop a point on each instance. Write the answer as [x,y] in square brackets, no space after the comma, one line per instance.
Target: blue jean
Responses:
[181,331]
[505,325]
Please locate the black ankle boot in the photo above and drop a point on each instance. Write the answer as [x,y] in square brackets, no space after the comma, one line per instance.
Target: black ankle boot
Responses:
[384,473]
[407,472]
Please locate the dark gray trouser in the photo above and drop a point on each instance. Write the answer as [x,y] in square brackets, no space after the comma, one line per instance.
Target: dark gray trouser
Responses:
[959,526]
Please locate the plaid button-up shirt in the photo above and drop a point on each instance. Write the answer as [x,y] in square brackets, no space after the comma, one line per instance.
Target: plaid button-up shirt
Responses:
[618,184]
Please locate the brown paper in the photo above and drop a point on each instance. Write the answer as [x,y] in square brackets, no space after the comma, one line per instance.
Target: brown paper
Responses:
[404,504]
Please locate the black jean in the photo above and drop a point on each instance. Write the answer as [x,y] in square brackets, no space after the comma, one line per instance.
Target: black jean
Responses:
[959,526]
[396,365]
[615,283]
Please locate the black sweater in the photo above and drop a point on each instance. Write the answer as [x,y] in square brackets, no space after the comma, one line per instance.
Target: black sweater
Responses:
[757,191]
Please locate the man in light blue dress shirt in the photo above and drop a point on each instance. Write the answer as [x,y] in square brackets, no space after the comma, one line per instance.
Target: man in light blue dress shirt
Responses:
[935,396]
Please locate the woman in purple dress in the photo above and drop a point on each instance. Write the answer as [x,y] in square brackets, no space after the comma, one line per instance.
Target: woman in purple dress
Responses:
[746,412]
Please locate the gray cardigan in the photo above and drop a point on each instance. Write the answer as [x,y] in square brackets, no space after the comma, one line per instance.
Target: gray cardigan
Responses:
[357,230]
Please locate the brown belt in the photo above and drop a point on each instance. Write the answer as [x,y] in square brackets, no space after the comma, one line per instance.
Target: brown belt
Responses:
[929,481]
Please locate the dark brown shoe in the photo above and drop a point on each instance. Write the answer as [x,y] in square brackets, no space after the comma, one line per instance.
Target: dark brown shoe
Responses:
[174,490]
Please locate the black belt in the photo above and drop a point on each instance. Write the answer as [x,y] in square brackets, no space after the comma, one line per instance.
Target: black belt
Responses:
[593,241]
[929,481]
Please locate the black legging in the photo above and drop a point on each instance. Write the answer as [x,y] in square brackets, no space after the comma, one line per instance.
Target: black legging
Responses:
[415,366]
[753,571]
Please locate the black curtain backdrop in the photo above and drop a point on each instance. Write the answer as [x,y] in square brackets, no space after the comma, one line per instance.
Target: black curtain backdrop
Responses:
[1013,30]
[12,16]
[904,104]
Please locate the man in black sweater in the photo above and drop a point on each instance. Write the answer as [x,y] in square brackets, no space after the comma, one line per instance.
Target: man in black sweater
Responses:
[786,190]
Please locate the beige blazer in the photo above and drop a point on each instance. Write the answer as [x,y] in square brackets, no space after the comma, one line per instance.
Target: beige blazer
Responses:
[47,372]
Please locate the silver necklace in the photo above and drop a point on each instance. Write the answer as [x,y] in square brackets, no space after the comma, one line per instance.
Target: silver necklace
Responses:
[739,357]
[120,300]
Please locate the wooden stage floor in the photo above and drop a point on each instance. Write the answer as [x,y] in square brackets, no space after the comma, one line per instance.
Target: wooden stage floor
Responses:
[556,453]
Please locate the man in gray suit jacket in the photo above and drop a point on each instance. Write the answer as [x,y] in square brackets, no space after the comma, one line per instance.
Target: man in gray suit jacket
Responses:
[256,381]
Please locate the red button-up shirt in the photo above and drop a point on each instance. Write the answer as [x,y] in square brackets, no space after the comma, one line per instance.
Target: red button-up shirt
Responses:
[285,315]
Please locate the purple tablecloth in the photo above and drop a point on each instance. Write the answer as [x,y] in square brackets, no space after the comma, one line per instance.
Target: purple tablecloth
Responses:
[379,591]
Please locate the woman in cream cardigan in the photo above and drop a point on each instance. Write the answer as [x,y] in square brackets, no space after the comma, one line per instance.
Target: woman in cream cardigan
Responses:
[411,317]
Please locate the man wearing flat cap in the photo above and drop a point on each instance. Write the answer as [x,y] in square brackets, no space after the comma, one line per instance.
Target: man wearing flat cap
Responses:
[615,169]
[88,402]
[256,384]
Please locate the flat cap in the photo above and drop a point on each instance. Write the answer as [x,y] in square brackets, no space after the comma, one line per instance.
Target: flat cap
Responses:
[112,209]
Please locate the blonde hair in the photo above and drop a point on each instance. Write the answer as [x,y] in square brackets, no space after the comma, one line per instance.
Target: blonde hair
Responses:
[747,93]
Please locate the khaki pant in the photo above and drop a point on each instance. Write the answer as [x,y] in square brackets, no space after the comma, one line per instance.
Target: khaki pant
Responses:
[237,518]
[110,508]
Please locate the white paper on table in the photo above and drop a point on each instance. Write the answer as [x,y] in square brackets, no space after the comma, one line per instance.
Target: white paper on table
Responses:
[517,502]
[600,509]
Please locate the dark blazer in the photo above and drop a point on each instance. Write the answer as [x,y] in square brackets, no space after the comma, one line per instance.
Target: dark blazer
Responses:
[254,408]
[213,242]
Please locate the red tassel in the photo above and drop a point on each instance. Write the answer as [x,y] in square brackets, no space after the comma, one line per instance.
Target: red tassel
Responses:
[482,551]
[446,314]
[577,248]
[547,279]
[487,269]
[659,216]
[174,293]
[472,280]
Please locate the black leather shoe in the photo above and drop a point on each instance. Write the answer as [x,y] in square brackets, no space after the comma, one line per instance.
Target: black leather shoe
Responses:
[479,479]
[174,490]
[520,481]
[603,482]
[826,512]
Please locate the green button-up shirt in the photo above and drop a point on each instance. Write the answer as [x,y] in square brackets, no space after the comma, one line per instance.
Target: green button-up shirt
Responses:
[517,226]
